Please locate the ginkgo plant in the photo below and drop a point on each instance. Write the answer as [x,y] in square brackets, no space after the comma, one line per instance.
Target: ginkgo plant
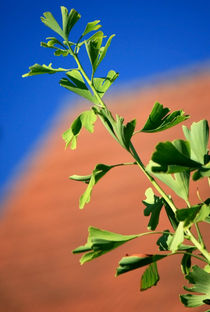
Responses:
[176,164]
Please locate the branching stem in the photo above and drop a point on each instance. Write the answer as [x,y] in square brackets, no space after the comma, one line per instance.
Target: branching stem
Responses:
[197,244]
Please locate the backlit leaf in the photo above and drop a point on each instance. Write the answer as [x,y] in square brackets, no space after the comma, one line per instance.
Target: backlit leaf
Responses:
[153,205]
[85,120]
[76,84]
[198,136]
[103,50]
[186,262]
[69,19]
[100,242]
[102,84]
[130,263]
[91,26]
[179,182]
[178,238]
[93,46]
[165,241]
[150,277]
[160,119]
[173,157]
[193,214]
[201,284]
[123,132]
[49,20]
[37,69]
[202,172]
[99,171]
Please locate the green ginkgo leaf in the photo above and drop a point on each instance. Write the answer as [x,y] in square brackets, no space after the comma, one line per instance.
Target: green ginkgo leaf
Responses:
[93,46]
[102,84]
[76,84]
[178,182]
[153,205]
[201,281]
[85,120]
[91,26]
[100,242]
[49,20]
[37,69]
[103,50]
[178,238]
[160,119]
[69,19]
[193,214]
[198,136]
[99,171]
[130,263]
[150,277]
[173,157]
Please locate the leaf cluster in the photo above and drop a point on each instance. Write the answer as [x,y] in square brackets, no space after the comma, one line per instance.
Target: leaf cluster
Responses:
[173,163]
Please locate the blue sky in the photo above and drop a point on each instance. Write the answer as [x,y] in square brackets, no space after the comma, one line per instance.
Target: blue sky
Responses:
[152,37]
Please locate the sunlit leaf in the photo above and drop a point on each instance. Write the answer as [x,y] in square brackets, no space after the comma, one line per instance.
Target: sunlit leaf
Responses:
[193,214]
[85,120]
[93,46]
[37,69]
[186,262]
[102,84]
[52,41]
[124,132]
[178,238]
[202,172]
[100,242]
[173,157]
[160,119]
[103,50]
[150,277]
[129,263]
[179,182]
[49,20]
[99,171]
[198,136]
[153,205]
[76,84]
[91,26]
[201,281]
[69,19]
[165,241]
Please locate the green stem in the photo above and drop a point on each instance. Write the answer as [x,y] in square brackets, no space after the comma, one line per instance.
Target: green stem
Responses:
[151,179]
[200,238]
[190,254]
[198,245]
[133,152]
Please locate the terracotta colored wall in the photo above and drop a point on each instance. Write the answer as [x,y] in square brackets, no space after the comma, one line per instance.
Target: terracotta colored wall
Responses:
[42,222]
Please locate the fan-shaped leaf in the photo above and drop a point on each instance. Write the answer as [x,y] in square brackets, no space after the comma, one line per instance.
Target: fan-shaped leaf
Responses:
[150,277]
[85,120]
[160,120]
[129,263]
[198,136]
[77,85]
[37,69]
[91,26]
[102,84]
[173,157]
[99,171]
[100,242]
[49,20]
[179,182]
[69,20]
[153,205]
[201,281]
